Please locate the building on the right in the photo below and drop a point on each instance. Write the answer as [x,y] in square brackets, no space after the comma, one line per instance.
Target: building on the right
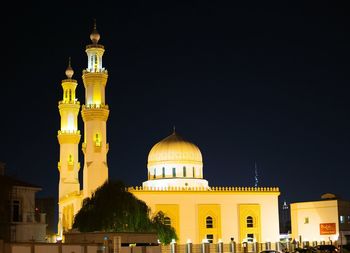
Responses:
[322,221]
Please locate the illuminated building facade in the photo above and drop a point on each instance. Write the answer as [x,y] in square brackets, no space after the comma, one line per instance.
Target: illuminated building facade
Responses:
[175,182]
[324,220]
[198,211]
[95,147]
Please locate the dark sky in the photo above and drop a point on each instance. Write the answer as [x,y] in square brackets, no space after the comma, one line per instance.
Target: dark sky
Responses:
[265,82]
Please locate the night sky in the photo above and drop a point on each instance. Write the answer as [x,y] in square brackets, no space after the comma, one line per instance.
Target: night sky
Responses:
[248,82]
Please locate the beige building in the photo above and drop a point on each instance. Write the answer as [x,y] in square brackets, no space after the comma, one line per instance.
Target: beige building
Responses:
[324,220]
[198,211]
[20,222]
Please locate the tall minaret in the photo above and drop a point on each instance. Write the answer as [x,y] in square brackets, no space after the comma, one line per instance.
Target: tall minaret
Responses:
[95,114]
[68,138]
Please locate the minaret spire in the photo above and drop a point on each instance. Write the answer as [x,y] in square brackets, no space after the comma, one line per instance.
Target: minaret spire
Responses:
[95,36]
[69,70]
[68,137]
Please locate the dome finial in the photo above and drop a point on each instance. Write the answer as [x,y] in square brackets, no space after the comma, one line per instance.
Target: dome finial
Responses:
[95,36]
[174,129]
[69,70]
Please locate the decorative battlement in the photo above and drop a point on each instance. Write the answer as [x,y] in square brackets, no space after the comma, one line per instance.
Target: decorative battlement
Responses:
[68,136]
[94,112]
[204,189]
[94,46]
[69,132]
[72,102]
[94,106]
[69,80]
[103,71]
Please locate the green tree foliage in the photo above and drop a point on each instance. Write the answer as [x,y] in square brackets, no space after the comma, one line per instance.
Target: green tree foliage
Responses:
[165,232]
[113,209]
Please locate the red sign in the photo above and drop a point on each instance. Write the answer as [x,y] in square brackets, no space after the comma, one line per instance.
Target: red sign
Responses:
[327,229]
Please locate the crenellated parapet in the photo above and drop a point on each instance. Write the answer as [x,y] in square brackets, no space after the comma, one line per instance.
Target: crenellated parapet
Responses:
[95,78]
[76,102]
[95,112]
[203,189]
[68,137]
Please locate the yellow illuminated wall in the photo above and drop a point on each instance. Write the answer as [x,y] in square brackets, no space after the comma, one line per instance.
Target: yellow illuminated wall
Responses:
[249,220]
[223,204]
[306,218]
[209,221]
[68,207]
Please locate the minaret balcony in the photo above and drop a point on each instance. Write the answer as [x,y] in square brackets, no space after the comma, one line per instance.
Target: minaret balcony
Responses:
[68,136]
[94,112]
[102,70]
[95,106]
[73,102]
[94,46]
[69,132]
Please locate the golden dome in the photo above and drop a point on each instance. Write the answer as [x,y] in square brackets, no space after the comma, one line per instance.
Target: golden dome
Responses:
[174,150]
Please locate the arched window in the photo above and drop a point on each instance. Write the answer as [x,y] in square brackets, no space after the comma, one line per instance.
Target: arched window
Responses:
[154,173]
[174,172]
[97,140]
[163,172]
[70,159]
[250,222]
[209,222]
[167,221]
[184,171]
[193,171]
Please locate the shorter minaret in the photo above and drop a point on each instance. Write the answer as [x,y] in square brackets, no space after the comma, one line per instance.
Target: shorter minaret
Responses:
[68,138]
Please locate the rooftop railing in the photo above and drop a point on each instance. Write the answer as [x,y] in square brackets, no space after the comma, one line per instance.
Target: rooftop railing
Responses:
[211,189]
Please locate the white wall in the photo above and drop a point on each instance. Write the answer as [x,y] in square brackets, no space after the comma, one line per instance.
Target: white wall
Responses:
[317,212]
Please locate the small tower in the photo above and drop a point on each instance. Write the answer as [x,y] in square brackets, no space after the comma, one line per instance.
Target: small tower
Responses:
[68,138]
[95,114]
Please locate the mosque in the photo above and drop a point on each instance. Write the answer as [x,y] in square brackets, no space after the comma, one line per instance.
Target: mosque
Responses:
[175,182]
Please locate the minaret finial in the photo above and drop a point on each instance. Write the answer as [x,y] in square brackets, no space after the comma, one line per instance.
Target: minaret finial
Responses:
[95,26]
[174,129]
[95,36]
[69,70]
